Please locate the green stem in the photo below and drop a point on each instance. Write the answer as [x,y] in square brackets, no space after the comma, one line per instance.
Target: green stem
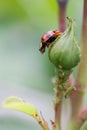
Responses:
[77,100]
[82,73]
[58,109]
[62,26]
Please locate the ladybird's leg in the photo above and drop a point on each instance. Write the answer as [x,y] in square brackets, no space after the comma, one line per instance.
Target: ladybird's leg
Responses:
[47,44]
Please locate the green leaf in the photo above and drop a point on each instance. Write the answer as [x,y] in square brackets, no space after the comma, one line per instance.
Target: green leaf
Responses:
[20,105]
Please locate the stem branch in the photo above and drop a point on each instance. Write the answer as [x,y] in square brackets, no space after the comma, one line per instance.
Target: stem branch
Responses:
[81,82]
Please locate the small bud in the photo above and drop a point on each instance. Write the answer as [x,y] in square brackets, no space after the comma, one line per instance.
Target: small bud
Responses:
[69,91]
[65,52]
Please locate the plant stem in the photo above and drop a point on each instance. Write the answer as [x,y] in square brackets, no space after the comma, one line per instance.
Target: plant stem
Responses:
[62,26]
[81,118]
[82,73]
[77,101]
[62,14]
[62,17]
[58,109]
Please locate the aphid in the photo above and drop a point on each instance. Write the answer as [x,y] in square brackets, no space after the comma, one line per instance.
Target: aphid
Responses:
[48,38]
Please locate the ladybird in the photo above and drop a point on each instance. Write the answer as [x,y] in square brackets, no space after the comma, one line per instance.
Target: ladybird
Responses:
[48,38]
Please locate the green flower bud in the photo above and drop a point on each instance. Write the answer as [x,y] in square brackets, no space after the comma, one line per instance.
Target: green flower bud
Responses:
[65,52]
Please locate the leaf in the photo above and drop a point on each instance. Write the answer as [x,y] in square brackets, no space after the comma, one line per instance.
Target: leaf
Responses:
[20,105]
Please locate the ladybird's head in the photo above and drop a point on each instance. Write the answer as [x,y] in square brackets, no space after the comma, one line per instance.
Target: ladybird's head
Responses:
[42,48]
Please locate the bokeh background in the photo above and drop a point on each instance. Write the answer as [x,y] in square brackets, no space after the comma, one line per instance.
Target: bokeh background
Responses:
[24,72]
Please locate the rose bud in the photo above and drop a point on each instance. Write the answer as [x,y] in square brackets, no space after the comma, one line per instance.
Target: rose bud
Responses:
[65,52]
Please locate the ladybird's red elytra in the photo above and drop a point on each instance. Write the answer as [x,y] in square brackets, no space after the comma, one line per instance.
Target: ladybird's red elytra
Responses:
[47,39]
[46,36]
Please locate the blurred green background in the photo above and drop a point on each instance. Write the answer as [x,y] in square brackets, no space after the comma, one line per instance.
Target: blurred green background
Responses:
[24,71]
